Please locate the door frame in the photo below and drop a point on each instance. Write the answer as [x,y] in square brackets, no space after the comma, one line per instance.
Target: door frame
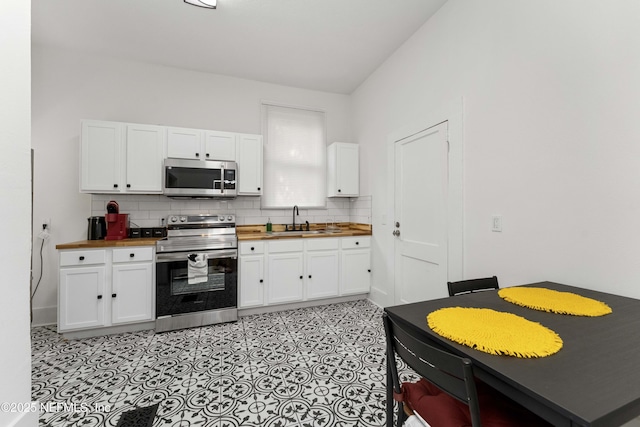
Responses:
[451,113]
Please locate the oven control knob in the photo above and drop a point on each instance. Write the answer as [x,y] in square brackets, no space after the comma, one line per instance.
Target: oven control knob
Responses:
[183,219]
[173,219]
[229,218]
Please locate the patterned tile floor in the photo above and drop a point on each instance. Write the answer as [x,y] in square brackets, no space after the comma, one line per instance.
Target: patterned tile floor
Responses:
[312,367]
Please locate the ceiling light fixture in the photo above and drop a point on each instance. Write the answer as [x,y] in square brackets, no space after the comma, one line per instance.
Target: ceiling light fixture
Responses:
[209,4]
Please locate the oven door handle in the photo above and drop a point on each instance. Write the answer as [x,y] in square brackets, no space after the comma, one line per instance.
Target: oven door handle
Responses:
[182,256]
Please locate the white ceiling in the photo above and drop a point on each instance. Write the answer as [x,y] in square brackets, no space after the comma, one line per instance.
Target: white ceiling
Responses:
[327,45]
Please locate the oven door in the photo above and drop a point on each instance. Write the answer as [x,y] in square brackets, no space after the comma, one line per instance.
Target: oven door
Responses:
[188,282]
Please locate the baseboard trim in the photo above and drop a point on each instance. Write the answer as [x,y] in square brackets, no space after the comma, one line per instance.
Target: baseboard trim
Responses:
[296,305]
[109,330]
[44,316]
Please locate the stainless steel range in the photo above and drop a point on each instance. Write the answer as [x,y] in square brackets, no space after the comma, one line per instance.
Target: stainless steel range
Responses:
[196,272]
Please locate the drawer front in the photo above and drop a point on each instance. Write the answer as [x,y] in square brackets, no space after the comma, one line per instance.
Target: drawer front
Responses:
[295,245]
[251,248]
[86,257]
[134,254]
[356,242]
[322,244]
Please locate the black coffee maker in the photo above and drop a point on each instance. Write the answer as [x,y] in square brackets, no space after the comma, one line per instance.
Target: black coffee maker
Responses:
[97,228]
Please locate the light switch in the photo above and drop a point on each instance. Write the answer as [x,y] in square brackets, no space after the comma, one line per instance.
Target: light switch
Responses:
[496,223]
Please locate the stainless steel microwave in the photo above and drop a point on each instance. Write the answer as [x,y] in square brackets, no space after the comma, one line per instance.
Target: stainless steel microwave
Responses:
[199,178]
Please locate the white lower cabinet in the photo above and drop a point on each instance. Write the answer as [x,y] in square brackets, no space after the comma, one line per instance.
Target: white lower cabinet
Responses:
[132,285]
[81,297]
[293,270]
[251,282]
[322,272]
[105,287]
[356,265]
[285,264]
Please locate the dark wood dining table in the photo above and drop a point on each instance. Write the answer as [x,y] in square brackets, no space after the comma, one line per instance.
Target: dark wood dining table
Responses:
[594,380]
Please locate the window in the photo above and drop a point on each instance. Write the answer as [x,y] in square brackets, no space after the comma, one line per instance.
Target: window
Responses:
[295,155]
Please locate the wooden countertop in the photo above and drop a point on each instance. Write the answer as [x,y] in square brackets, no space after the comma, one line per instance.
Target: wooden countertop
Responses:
[97,244]
[258,232]
[244,232]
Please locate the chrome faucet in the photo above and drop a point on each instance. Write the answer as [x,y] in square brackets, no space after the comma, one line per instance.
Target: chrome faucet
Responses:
[295,212]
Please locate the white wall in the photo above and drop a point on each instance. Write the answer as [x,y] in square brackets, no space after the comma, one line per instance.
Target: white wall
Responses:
[69,87]
[551,141]
[15,191]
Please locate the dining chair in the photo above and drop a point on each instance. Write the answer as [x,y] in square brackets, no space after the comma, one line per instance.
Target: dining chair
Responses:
[448,372]
[447,395]
[472,285]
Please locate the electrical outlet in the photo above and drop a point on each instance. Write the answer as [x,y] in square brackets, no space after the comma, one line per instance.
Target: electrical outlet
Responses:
[496,223]
[46,223]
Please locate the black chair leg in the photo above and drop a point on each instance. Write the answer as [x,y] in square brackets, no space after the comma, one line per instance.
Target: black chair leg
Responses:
[390,400]
[401,415]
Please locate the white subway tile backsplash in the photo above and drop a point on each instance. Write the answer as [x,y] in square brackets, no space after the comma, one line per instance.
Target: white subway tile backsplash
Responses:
[154,206]
[361,204]
[140,216]
[150,210]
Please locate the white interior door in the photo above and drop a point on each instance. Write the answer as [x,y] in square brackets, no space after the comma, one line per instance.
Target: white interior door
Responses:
[420,224]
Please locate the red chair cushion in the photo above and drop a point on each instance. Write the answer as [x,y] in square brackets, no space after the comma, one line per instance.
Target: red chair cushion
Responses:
[441,410]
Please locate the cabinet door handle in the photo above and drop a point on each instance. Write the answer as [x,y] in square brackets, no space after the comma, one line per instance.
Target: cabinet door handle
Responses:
[309,276]
[258,188]
[357,243]
[261,280]
[99,296]
[115,185]
[207,154]
[369,270]
[113,295]
[301,277]
[128,185]
[81,257]
[339,190]
[252,248]
[132,255]
[197,154]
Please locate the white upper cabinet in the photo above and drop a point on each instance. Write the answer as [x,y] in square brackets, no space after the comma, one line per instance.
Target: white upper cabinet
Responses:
[220,145]
[183,143]
[343,173]
[249,152]
[128,158]
[100,156]
[119,157]
[144,157]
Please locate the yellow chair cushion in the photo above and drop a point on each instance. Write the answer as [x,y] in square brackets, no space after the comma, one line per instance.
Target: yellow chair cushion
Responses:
[544,299]
[494,332]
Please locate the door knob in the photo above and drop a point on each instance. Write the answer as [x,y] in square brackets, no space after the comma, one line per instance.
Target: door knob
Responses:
[397,224]
[396,233]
